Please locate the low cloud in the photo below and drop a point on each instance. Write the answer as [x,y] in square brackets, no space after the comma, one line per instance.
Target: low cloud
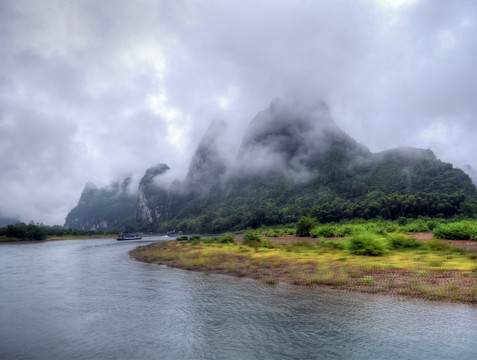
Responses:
[97,91]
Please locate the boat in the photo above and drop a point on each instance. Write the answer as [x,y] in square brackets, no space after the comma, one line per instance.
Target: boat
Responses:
[127,236]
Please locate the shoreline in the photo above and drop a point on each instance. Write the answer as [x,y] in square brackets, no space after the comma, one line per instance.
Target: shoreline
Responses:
[11,241]
[375,275]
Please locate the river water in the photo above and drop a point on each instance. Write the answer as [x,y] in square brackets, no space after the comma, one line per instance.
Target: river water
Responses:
[86,299]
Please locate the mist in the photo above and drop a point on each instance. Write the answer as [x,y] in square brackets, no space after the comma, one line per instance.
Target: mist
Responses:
[99,91]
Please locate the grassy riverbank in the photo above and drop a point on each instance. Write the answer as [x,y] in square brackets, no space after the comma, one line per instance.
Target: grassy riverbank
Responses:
[434,270]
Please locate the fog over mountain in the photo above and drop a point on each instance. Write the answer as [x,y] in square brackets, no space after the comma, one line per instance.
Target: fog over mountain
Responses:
[100,91]
[293,161]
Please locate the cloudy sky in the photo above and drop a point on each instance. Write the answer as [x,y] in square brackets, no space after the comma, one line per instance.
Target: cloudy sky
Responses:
[95,90]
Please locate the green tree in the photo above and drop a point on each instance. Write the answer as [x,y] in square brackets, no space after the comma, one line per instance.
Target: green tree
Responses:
[304,226]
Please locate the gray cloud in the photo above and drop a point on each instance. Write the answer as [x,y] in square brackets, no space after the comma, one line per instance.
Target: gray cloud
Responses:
[99,90]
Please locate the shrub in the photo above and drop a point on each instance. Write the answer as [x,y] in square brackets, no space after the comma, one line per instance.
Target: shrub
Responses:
[367,244]
[401,241]
[376,228]
[346,230]
[462,230]
[391,227]
[327,230]
[304,226]
[194,237]
[227,239]
[335,244]
[402,221]
[267,243]
[416,226]
[303,244]
[210,240]
[251,239]
[432,224]
[439,245]
[182,238]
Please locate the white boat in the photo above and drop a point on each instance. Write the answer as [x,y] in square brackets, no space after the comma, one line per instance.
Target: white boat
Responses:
[126,236]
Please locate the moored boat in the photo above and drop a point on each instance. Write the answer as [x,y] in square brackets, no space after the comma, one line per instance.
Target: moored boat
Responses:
[127,236]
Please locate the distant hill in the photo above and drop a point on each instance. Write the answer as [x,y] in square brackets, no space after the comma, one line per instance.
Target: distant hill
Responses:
[294,160]
[107,208]
[4,221]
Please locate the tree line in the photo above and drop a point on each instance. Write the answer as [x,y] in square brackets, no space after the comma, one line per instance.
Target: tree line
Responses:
[34,231]
[374,205]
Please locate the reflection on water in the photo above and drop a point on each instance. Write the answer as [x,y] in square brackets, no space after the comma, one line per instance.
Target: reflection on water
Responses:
[87,299]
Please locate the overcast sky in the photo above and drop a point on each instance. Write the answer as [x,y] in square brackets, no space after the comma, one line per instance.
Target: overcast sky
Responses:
[95,90]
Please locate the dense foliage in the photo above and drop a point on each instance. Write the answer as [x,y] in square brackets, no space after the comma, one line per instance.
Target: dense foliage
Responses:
[22,231]
[463,230]
[219,216]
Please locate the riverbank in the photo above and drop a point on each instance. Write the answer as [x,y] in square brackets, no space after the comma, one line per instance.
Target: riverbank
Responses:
[12,240]
[448,273]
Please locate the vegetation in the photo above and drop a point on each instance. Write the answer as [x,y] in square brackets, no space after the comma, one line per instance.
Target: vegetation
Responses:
[32,231]
[463,230]
[390,263]
[379,256]
[109,208]
[367,244]
[218,214]
[304,226]
[401,241]
[252,239]
[327,178]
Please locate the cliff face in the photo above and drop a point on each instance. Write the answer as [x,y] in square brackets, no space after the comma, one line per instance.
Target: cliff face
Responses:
[152,196]
[207,165]
[293,158]
[104,208]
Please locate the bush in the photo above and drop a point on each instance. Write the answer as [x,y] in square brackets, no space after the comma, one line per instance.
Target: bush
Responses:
[327,230]
[227,239]
[417,226]
[267,243]
[462,230]
[439,245]
[210,240]
[367,244]
[194,237]
[304,226]
[182,238]
[402,221]
[401,241]
[335,244]
[432,224]
[303,245]
[251,239]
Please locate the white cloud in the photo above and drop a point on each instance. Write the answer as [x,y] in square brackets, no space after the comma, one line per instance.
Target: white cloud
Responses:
[97,90]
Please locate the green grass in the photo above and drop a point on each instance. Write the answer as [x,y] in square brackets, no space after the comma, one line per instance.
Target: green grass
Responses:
[420,269]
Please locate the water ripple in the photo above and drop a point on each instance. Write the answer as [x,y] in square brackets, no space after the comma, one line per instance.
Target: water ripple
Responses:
[88,299]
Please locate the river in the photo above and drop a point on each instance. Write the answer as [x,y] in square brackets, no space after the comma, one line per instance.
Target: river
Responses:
[86,299]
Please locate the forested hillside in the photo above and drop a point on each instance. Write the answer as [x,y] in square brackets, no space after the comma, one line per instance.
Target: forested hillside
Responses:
[111,207]
[293,161]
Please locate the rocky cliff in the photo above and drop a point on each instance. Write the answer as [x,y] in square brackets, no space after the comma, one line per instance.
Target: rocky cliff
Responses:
[293,160]
[107,208]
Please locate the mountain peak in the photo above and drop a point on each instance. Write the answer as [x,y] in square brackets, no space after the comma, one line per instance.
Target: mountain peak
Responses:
[292,135]
[207,164]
